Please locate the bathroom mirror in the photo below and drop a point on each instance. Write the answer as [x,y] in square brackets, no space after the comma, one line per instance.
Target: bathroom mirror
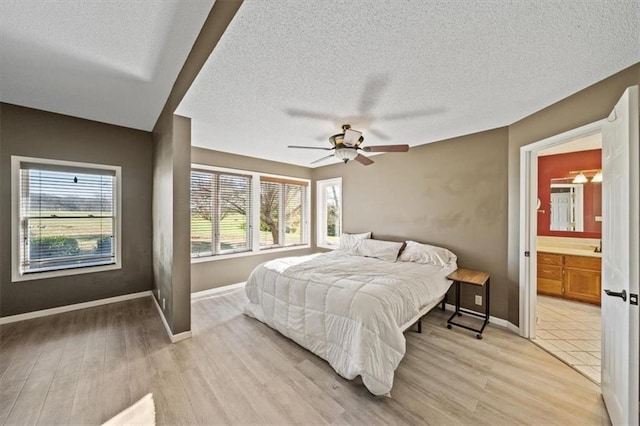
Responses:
[567,207]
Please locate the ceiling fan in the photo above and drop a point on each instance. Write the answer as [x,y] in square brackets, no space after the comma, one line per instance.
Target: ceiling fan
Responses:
[346,145]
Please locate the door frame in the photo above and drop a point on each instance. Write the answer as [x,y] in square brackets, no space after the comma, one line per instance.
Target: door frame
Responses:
[529,223]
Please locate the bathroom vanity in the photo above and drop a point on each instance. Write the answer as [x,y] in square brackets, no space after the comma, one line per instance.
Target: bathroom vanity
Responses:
[569,271]
[569,276]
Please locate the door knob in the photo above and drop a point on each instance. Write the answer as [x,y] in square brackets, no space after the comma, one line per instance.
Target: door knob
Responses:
[622,294]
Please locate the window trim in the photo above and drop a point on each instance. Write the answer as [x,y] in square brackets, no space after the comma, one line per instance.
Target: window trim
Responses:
[255,213]
[16,275]
[321,209]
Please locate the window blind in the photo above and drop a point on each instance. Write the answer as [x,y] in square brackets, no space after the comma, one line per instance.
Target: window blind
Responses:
[269,214]
[294,202]
[67,217]
[220,213]
[282,212]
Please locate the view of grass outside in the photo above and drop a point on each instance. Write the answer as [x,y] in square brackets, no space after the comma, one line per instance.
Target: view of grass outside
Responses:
[223,200]
[66,218]
[234,237]
[60,237]
[232,210]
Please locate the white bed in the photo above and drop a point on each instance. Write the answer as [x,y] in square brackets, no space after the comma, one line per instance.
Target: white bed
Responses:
[349,310]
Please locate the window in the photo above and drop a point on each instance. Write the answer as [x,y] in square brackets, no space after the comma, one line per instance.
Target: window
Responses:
[329,212]
[220,213]
[282,212]
[65,218]
[226,203]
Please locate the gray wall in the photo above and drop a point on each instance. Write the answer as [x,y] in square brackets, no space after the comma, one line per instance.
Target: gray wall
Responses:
[207,275]
[591,104]
[451,193]
[170,213]
[34,133]
[162,214]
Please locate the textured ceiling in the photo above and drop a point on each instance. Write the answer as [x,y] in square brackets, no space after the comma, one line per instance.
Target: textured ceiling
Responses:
[411,71]
[112,61]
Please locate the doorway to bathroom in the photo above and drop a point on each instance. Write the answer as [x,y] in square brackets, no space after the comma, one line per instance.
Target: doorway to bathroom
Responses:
[562,314]
[568,242]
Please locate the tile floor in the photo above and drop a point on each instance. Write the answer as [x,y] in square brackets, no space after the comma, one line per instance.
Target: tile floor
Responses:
[571,331]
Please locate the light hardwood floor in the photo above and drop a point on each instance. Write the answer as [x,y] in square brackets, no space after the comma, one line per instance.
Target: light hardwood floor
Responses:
[84,367]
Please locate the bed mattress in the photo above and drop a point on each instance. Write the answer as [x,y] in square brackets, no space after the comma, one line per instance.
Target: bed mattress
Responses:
[349,310]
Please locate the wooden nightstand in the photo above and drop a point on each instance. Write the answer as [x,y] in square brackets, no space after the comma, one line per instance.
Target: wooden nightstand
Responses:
[466,276]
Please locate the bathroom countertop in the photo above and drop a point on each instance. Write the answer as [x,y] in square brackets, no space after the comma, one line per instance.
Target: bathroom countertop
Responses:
[571,251]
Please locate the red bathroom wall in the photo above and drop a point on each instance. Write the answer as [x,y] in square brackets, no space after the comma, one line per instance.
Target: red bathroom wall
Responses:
[558,166]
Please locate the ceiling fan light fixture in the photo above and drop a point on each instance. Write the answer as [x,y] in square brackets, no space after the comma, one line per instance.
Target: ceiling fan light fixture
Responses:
[346,154]
[580,178]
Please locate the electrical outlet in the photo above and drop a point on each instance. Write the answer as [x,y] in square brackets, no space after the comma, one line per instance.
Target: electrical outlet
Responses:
[164,305]
[478,300]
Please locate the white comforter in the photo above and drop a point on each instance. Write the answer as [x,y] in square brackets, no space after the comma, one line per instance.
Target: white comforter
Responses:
[349,310]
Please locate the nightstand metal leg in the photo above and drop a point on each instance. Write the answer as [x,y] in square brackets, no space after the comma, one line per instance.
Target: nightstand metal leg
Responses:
[483,316]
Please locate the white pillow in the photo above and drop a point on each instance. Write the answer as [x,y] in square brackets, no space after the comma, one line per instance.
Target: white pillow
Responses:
[383,250]
[425,253]
[348,241]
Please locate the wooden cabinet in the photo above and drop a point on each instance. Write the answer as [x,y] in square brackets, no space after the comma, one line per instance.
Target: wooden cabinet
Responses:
[550,274]
[569,276]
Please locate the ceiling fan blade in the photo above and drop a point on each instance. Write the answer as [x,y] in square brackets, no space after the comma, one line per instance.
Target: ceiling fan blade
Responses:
[364,160]
[378,134]
[351,137]
[310,147]
[294,112]
[386,148]
[373,90]
[322,159]
[412,114]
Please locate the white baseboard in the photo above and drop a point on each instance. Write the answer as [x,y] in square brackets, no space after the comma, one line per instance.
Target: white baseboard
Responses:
[212,291]
[74,307]
[173,337]
[494,320]
[513,328]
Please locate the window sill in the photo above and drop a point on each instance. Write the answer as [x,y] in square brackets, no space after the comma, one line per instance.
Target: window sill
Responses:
[204,259]
[64,272]
[328,246]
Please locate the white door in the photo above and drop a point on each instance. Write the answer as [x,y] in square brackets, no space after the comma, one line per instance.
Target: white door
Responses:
[620,258]
[561,212]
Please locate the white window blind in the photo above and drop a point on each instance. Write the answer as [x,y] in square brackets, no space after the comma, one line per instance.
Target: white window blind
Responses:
[67,217]
[283,215]
[220,213]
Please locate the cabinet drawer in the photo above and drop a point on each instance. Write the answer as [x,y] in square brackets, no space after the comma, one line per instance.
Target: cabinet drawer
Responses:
[549,258]
[550,287]
[583,262]
[550,272]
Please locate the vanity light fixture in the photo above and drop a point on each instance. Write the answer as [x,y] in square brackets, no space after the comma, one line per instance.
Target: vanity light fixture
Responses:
[580,178]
